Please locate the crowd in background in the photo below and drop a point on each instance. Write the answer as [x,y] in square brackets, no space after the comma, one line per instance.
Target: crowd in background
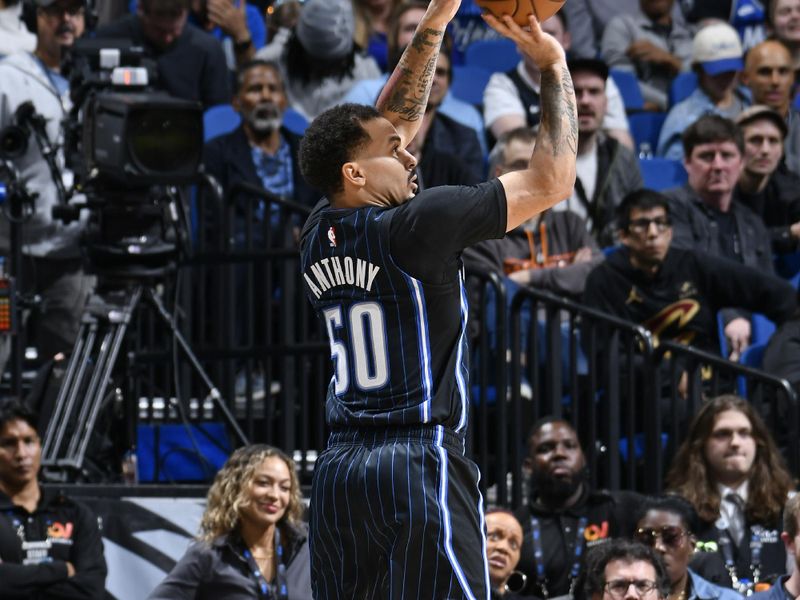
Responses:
[715,241]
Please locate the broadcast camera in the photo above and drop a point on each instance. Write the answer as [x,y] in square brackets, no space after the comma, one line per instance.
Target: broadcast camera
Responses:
[130,147]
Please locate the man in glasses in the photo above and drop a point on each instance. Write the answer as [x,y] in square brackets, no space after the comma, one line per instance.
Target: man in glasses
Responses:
[623,570]
[676,293]
[565,516]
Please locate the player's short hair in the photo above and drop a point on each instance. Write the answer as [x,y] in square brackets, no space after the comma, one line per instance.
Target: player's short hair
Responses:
[17,410]
[644,199]
[709,129]
[333,139]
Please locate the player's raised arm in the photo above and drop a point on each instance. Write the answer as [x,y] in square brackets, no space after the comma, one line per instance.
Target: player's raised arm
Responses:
[550,175]
[405,95]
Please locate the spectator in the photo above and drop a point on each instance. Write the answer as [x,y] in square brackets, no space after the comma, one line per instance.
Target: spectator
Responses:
[318,59]
[623,570]
[404,23]
[260,151]
[237,24]
[672,292]
[564,516]
[787,586]
[372,24]
[607,170]
[503,544]
[588,19]
[553,251]
[50,545]
[51,267]
[769,74]
[253,543]
[706,218]
[766,185]
[650,44]
[511,99]
[783,23]
[731,471]
[667,524]
[191,63]
[14,36]
[717,61]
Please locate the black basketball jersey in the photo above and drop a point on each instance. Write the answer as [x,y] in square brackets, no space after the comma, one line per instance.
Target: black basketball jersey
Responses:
[388,286]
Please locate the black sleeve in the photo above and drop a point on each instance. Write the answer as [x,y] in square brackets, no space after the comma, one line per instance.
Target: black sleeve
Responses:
[87,557]
[192,570]
[24,581]
[440,222]
[733,284]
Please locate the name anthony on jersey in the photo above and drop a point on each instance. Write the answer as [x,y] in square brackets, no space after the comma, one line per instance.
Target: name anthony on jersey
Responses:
[333,272]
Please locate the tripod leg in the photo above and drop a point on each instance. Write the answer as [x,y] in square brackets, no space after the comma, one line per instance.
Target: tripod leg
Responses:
[214,393]
[107,358]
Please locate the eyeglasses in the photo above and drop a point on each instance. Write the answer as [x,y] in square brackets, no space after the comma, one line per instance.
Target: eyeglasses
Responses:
[617,588]
[57,10]
[671,535]
[643,225]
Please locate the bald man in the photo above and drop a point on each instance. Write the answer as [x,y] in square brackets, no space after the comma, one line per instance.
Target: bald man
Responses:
[769,74]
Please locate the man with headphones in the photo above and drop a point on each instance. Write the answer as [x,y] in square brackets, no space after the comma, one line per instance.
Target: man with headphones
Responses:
[51,266]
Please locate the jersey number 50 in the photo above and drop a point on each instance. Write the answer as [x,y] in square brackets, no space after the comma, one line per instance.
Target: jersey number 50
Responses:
[366,331]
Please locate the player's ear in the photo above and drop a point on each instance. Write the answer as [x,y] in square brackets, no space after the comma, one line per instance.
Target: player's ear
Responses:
[353,174]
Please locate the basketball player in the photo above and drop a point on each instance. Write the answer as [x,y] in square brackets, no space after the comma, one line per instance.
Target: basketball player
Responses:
[395,507]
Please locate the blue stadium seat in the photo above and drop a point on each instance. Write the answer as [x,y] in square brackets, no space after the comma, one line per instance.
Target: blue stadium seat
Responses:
[219,120]
[682,87]
[629,88]
[469,82]
[494,55]
[645,127]
[294,121]
[753,356]
[662,173]
[788,265]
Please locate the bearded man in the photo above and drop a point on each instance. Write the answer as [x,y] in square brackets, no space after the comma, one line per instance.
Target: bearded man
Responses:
[564,516]
[261,151]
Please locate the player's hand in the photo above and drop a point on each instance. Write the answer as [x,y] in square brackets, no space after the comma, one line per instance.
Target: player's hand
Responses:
[443,11]
[542,48]
[737,332]
[70,569]
[231,19]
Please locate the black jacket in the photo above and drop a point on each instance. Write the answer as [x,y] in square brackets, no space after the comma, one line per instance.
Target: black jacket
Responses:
[681,301]
[448,136]
[228,158]
[192,68]
[60,530]
[607,516]
[778,204]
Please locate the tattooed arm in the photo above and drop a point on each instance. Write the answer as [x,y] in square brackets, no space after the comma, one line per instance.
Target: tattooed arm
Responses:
[405,95]
[550,175]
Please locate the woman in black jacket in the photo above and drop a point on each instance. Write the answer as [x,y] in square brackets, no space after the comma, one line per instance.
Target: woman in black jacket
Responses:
[253,543]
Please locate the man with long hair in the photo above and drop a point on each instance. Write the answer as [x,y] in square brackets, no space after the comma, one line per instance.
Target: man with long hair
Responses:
[731,471]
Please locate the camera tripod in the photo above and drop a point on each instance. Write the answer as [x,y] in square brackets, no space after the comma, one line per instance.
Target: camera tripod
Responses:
[89,374]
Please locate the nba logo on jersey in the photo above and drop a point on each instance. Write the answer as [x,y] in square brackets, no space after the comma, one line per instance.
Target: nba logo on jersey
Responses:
[332,237]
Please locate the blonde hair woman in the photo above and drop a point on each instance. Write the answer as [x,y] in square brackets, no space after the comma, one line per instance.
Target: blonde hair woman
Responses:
[252,542]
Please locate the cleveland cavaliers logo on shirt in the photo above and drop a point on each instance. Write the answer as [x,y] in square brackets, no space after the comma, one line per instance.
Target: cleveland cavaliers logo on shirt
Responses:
[332,236]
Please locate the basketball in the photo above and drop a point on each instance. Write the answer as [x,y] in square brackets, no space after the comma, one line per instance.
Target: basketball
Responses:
[520,9]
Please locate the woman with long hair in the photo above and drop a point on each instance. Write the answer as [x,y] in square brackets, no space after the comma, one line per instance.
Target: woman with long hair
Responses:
[731,471]
[252,542]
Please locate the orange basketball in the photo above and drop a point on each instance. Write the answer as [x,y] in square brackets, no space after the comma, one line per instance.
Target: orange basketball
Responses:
[520,9]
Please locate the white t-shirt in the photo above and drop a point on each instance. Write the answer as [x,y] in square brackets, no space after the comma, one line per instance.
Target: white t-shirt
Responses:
[586,166]
[501,98]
